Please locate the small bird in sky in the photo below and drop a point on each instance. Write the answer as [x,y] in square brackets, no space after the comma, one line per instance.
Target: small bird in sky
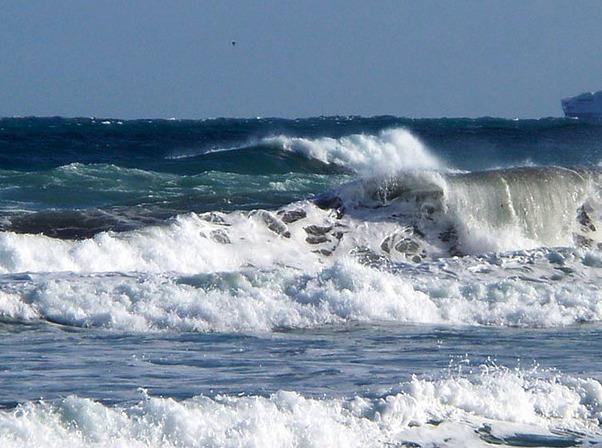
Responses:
[234,43]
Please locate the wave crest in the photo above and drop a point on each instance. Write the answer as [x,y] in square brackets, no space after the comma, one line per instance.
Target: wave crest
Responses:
[389,151]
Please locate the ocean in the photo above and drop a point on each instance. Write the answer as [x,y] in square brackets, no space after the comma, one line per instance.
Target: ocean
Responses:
[330,281]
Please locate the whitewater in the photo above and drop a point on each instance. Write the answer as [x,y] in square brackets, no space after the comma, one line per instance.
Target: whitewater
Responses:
[337,281]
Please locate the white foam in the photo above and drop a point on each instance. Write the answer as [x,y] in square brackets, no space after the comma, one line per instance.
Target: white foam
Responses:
[522,290]
[466,410]
[185,245]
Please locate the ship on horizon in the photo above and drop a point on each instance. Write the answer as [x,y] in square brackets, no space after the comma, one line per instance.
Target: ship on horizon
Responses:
[586,106]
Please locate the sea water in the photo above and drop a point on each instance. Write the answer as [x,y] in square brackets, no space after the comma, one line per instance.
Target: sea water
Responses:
[338,281]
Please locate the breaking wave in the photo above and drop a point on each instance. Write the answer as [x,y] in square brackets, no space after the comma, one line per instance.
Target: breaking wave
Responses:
[389,151]
[411,216]
[496,210]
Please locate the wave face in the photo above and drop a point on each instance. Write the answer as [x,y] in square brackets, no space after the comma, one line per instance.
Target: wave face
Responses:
[542,207]
[495,210]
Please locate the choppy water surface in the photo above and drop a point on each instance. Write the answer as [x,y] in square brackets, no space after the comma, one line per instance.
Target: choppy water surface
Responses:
[335,281]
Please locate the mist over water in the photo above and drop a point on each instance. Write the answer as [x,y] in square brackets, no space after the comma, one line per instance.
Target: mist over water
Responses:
[339,281]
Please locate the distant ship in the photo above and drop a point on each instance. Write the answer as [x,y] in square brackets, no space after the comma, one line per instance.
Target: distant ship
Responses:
[587,106]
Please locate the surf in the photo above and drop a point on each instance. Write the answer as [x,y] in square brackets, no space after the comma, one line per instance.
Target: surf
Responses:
[494,405]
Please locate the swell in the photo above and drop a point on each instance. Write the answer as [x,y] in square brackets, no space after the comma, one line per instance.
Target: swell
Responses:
[254,158]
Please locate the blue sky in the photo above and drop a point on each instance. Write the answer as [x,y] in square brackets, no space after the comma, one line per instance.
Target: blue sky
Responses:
[134,59]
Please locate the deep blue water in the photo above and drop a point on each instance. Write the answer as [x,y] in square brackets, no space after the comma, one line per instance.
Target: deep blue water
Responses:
[182,146]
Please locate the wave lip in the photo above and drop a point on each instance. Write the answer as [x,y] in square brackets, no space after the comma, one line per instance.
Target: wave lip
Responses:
[496,405]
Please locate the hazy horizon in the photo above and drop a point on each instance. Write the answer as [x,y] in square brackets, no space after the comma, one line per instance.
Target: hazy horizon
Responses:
[416,60]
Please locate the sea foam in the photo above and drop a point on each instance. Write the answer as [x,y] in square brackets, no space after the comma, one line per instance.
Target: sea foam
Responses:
[524,289]
[493,405]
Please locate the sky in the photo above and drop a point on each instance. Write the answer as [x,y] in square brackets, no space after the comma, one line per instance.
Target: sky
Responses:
[159,59]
